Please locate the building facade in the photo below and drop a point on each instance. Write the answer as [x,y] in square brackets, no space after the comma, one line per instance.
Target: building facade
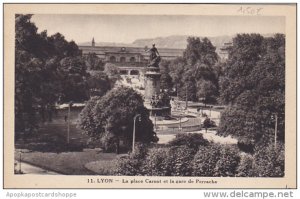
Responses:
[129,60]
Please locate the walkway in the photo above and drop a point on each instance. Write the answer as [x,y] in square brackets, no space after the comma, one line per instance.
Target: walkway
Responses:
[209,135]
[30,169]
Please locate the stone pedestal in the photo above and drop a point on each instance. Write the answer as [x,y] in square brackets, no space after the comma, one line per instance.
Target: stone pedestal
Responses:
[152,90]
[152,83]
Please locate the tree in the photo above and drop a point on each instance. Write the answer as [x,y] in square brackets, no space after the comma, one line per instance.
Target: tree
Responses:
[243,56]
[47,69]
[98,84]
[93,62]
[166,82]
[196,65]
[111,118]
[187,88]
[207,123]
[177,68]
[207,91]
[254,86]
[201,51]
[73,79]
[113,73]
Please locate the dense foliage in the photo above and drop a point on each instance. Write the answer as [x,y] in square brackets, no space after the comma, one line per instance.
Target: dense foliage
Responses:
[194,75]
[216,160]
[181,158]
[110,118]
[93,62]
[47,70]
[191,140]
[266,162]
[209,160]
[253,85]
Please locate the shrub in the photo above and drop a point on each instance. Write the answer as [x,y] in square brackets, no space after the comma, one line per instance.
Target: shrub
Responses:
[245,168]
[266,162]
[172,161]
[208,123]
[205,160]
[127,166]
[108,143]
[132,165]
[191,140]
[178,161]
[228,161]
[269,162]
[140,151]
[246,145]
[215,160]
[155,163]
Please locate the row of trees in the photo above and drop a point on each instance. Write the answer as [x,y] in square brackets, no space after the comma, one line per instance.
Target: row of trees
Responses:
[48,70]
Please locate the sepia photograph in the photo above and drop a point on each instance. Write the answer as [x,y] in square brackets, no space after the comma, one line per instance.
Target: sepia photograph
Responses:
[108,96]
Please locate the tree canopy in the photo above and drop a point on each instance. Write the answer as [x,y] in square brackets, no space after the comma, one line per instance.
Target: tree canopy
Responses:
[48,70]
[111,117]
[194,74]
[254,86]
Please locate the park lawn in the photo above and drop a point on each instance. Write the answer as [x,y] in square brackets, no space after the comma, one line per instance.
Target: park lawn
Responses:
[69,163]
[102,167]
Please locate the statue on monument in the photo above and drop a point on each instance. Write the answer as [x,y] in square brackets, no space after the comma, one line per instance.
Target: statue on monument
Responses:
[154,57]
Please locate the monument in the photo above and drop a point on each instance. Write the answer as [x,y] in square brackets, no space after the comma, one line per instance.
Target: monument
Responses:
[156,102]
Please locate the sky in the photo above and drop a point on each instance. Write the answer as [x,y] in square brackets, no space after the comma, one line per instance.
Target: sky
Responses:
[127,28]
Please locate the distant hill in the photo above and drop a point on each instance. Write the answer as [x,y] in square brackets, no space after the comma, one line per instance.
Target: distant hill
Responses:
[178,41]
[106,44]
[173,41]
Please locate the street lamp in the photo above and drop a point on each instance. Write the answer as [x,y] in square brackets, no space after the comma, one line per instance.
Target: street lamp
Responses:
[69,114]
[20,159]
[133,137]
[155,122]
[186,97]
[180,122]
[275,116]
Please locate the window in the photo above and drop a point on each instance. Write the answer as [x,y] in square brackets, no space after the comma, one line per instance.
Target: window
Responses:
[123,72]
[112,59]
[132,59]
[134,72]
[122,59]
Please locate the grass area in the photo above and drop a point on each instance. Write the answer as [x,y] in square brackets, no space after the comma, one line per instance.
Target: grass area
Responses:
[102,167]
[69,163]
[52,136]
[48,148]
